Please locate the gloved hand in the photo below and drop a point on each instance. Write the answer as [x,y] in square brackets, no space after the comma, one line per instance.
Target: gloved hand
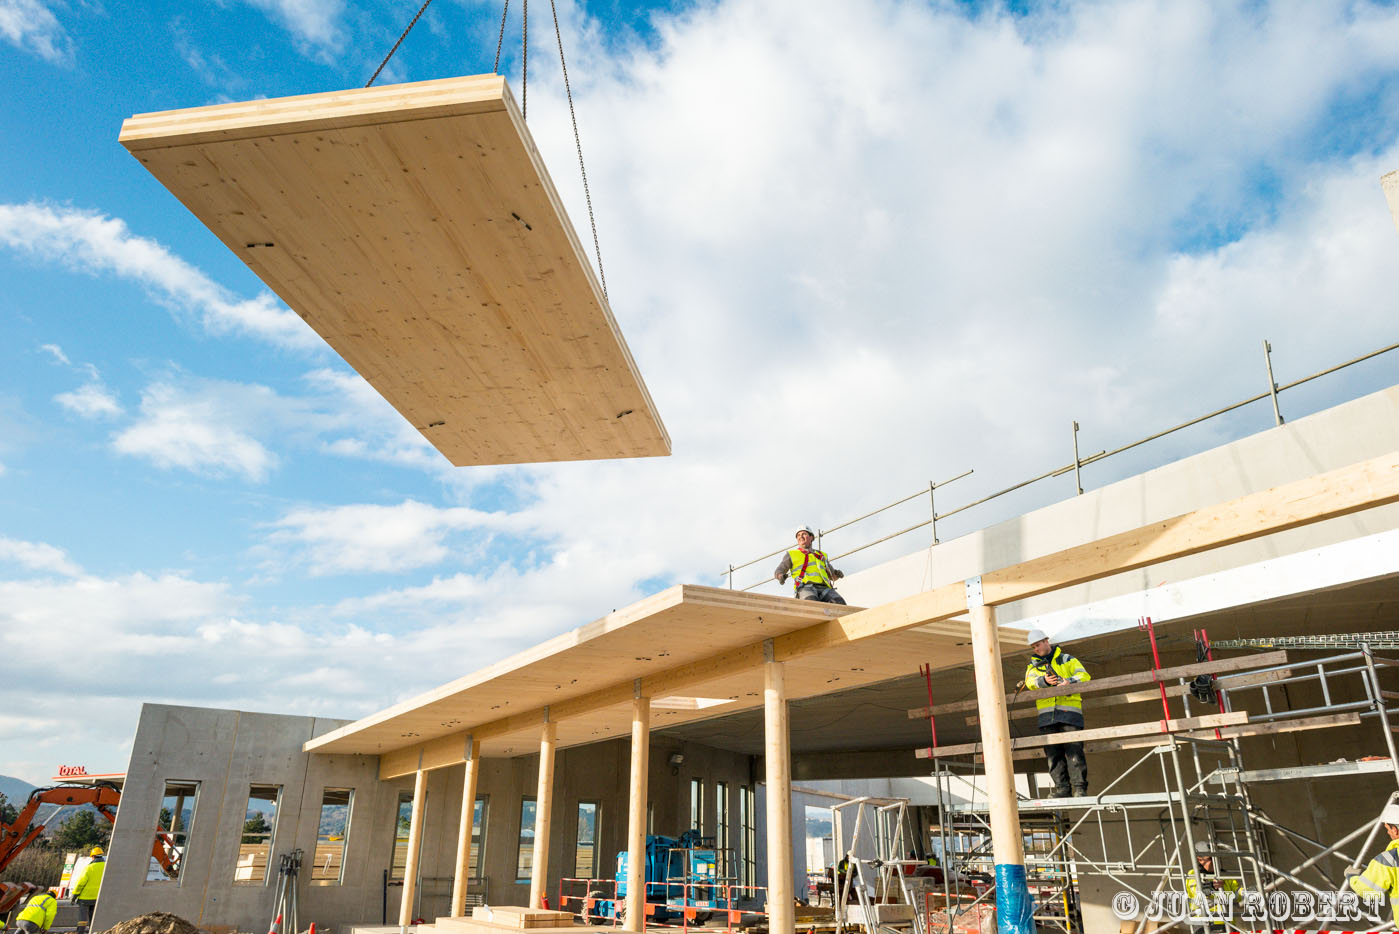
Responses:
[1352,871]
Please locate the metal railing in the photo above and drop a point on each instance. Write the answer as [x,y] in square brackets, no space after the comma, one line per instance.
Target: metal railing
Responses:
[1075,466]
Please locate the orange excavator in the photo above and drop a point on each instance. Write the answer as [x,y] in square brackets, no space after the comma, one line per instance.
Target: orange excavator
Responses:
[26,828]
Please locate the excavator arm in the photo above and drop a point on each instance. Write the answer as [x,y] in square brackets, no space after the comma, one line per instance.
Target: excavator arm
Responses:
[105,797]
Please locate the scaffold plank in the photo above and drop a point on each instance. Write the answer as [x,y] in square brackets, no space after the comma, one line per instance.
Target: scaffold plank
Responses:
[1106,732]
[1233,683]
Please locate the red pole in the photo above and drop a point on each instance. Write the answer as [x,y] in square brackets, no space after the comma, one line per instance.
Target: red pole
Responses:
[1145,623]
[927,672]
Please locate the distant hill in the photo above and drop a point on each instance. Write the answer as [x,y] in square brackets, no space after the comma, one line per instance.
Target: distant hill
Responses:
[15,789]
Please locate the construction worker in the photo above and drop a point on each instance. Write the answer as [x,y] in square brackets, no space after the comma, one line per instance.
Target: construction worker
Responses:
[1381,877]
[1051,666]
[812,575]
[1205,876]
[37,916]
[89,884]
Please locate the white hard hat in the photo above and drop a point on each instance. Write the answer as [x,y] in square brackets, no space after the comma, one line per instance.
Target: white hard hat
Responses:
[1035,635]
[1390,815]
[806,529]
[1203,848]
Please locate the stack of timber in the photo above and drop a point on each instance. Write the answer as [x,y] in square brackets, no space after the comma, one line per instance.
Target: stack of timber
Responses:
[503,919]
[415,228]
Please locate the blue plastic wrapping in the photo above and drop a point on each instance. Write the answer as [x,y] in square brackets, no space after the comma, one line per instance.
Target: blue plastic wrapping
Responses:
[1015,909]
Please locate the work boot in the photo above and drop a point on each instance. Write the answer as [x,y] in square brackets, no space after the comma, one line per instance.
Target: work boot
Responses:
[1060,793]
[1080,792]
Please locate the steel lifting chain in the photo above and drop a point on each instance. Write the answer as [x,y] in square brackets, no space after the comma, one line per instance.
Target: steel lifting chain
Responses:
[578,143]
[411,24]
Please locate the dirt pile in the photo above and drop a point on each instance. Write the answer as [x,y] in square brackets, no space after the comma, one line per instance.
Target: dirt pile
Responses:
[157,922]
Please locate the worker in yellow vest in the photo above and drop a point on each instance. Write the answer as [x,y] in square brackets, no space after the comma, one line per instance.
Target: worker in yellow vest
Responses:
[811,572]
[1381,877]
[1051,666]
[88,886]
[37,916]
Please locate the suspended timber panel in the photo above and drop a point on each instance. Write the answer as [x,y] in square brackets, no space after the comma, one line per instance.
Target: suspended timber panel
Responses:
[415,228]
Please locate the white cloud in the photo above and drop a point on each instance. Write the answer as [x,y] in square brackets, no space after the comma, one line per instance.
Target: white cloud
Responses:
[355,538]
[313,22]
[56,352]
[97,244]
[31,25]
[91,401]
[38,556]
[203,433]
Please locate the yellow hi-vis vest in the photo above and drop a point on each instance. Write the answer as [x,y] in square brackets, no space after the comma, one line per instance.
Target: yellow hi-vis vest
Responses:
[1067,708]
[90,884]
[1381,877]
[809,567]
[41,910]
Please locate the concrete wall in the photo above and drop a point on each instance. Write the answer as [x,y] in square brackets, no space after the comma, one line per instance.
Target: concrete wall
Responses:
[226,751]
[1346,434]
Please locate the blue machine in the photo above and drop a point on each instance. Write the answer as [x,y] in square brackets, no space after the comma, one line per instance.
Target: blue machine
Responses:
[680,874]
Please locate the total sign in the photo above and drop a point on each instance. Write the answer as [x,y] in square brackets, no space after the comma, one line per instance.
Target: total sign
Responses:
[71,771]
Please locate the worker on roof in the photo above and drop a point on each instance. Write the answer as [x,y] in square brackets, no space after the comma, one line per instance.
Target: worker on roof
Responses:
[1051,666]
[89,884]
[37,915]
[1206,877]
[811,572]
[1381,877]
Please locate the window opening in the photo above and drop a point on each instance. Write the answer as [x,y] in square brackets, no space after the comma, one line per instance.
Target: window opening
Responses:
[332,835]
[259,827]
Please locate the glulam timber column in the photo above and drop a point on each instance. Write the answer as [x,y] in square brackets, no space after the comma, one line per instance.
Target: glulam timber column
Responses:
[415,839]
[1014,910]
[636,812]
[543,808]
[466,828]
[782,917]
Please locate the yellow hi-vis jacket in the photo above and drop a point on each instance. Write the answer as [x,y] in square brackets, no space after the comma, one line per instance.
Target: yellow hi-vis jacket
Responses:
[40,910]
[809,567]
[1381,877]
[1067,708]
[90,883]
[1225,885]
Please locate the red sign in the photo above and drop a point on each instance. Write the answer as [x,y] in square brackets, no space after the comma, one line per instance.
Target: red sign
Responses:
[67,771]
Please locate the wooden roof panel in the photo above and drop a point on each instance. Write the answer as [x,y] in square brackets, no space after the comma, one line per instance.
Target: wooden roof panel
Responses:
[415,228]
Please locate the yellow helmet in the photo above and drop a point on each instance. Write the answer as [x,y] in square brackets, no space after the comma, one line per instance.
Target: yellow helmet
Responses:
[95,851]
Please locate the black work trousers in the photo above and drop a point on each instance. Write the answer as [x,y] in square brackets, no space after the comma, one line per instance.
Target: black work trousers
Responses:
[1067,765]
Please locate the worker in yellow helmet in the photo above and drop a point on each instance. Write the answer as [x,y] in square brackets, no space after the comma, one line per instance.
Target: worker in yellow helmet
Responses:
[1206,877]
[89,884]
[1381,877]
[812,574]
[1051,666]
[37,916]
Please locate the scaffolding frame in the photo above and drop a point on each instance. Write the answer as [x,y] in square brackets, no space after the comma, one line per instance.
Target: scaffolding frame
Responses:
[1202,796]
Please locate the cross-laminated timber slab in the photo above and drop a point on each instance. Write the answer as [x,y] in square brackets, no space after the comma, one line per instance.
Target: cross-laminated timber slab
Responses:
[415,228]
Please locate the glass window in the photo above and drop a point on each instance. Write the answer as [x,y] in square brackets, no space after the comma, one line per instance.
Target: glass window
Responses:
[328,864]
[400,838]
[524,860]
[697,804]
[721,826]
[259,826]
[478,836]
[173,825]
[585,850]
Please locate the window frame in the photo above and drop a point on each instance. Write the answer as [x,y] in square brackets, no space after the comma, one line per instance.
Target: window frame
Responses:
[344,837]
[271,835]
[181,846]
[533,804]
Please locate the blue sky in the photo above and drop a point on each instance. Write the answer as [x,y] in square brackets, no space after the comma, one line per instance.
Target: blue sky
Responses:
[854,245]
